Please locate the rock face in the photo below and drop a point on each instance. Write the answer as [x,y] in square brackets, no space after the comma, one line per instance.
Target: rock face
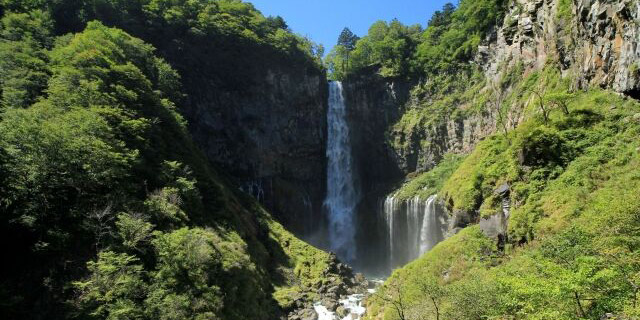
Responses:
[595,39]
[270,138]
[373,105]
[495,226]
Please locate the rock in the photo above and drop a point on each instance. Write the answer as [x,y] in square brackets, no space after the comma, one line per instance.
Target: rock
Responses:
[304,314]
[337,290]
[330,304]
[607,316]
[269,136]
[503,190]
[342,312]
[526,24]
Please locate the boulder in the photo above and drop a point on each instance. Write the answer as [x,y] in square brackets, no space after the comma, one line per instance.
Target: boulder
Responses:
[342,312]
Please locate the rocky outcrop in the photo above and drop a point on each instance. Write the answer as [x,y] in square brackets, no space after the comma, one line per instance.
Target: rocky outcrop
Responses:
[496,225]
[338,281]
[595,41]
[270,138]
[608,51]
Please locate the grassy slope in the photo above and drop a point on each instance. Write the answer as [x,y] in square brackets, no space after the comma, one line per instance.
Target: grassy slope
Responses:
[574,224]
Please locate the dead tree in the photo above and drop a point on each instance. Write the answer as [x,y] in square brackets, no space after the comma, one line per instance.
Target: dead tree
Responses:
[540,93]
[498,96]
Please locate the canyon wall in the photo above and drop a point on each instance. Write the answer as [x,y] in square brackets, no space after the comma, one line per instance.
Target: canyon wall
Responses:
[269,135]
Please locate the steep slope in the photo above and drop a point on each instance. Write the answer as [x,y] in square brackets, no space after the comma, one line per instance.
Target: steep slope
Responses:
[525,131]
[254,93]
[571,244]
[112,210]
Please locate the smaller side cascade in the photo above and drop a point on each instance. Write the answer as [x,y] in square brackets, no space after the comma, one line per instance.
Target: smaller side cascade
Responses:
[414,227]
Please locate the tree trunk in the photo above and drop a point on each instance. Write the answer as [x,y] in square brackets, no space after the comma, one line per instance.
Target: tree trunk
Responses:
[580,309]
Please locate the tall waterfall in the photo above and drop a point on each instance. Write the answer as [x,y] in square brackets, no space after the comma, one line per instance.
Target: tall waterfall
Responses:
[414,227]
[341,195]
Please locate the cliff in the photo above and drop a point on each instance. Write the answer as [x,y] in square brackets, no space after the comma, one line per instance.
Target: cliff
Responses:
[270,136]
[595,43]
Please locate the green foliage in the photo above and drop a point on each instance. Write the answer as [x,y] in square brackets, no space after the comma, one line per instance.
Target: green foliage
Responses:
[134,231]
[96,160]
[482,171]
[388,45]
[430,182]
[446,46]
[347,39]
[115,288]
[565,10]
[184,284]
[431,277]
[23,60]
[573,245]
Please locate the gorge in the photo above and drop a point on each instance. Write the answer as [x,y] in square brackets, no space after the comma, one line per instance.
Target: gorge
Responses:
[173,159]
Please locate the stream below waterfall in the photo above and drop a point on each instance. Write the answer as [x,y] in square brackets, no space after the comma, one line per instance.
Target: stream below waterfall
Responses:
[352,305]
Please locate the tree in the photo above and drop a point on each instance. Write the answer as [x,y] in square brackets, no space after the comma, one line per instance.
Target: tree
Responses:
[24,38]
[115,288]
[393,295]
[185,284]
[347,39]
[433,291]
[561,99]
[587,276]
[277,22]
[498,98]
[539,92]
[347,42]
[442,18]
[134,231]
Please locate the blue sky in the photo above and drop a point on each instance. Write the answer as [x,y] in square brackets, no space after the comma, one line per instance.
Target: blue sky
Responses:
[322,20]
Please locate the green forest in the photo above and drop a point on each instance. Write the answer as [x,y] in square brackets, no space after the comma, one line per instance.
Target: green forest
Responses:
[112,208]
[108,209]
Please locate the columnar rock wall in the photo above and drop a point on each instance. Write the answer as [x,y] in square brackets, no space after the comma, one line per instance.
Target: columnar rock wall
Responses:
[270,137]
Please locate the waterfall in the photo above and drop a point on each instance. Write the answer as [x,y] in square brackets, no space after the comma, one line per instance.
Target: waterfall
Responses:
[414,227]
[390,208]
[430,232]
[341,197]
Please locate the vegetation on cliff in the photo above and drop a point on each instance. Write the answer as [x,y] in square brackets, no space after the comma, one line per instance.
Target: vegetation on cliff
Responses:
[572,244]
[446,46]
[572,249]
[569,160]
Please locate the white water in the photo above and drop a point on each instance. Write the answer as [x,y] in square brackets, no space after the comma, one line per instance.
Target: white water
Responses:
[341,195]
[429,235]
[323,312]
[353,305]
[414,227]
